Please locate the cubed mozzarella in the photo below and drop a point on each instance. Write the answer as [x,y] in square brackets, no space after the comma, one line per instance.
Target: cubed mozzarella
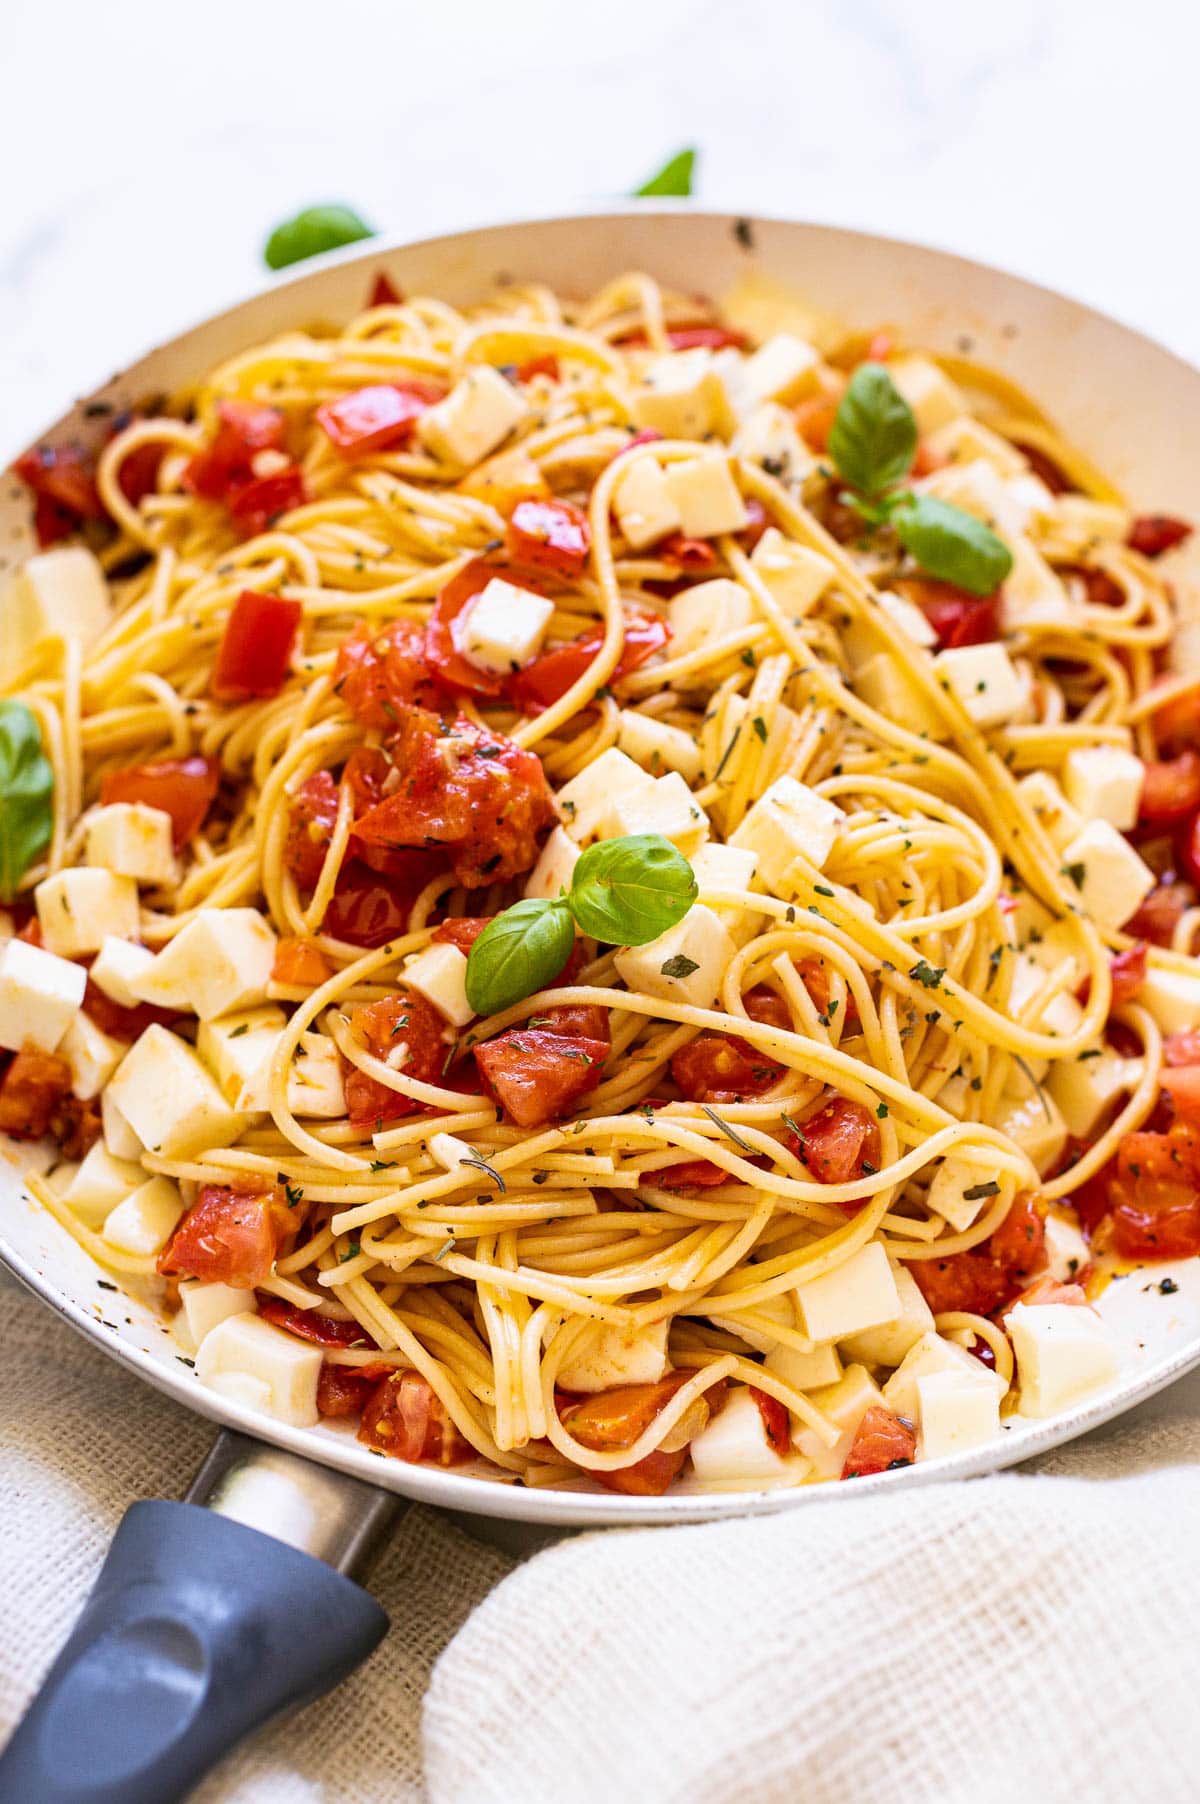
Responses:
[1035,1124]
[204,1306]
[733,1448]
[1064,1354]
[950,1193]
[1050,808]
[168,1098]
[984,680]
[885,686]
[1104,782]
[783,369]
[908,617]
[682,395]
[282,1371]
[144,1222]
[40,995]
[316,1087]
[706,612]
[859,1293]
[887,1343]
[658,747]
[555,866]
[956,1412]
[119,1138]
[79,909]
[845,1403]
[220,962]
[706,495]
[117,967]
[1067,1252]
[685,964]
[449,1151]
[504,627]
[934,399]
[643,504]
[730,366]
[605,1356]
[587,799]
[1085,1088]
[100,1183]
[724,867]
[1171,996]
[92,1055]
[769,437]
[440,975]
[1032,594]
[788,822]
[55,594]
[132,840]
[796,577]
[966,440]
[811,1371]
[1111,878]
[667,807]
[933,1353]
[477,415]
[238,1049]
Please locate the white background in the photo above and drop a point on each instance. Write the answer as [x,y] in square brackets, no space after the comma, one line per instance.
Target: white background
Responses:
[148,146]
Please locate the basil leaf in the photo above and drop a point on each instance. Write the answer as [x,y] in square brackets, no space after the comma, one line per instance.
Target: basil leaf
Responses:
[674,178]
[26,795]
[519,952]
[628,891]
[951,544]
[312,231]
[873,439]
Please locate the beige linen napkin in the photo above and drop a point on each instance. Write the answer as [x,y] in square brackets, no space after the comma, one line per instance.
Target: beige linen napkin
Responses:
[1022,1639]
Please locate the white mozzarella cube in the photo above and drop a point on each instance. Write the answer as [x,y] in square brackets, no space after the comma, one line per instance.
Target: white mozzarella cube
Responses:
[811,1371]
[845,1403]
[92,1055]
[733,1448]
[169,1099]
[658,747]
[240,1388]
[796,577]
[1104,783]
[739,398]
[477,415]
[204,1306]
[685,964]
[1172,997]
[316,1087]
[556,863]
[783,369]
[605,1356]
[79,909]
[908,617]
[504,627]
[934,399]
[708,611]
[1032,594]
[1087,1088]
[40,995]
[887,1343]
[885,686]
[145,1221]
[682,395]
[706,495]
[1050,807]
[440,975]
[1035,1124]
[958,1192]
[1111,879]
[585,801]
[56,594]
[449,1151]
[1067,1252]
[667,807]
[282,1371]
[966,440]
[238,1050]
[955,1413]
[984,680]
[119,1138]
[100,1183]
[132,840]
[933,1353]
[220,962]
[769,437]
[788,822]
[1064,1353]
[724,867]
[860,1293]
[643,504]
[118,965]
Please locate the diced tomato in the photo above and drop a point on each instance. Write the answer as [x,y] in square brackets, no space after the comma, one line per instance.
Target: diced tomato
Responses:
[448,664]
[312,813]
[1187,846]
[716,1068]
[1047,1291]
[228,1236]
[255,506]
[585,1020]
[1019,1243]
[814,974]
[408,1420]
[184,788]
[687,554]
[299,962]
[256,647]
[1161,912]
[1152,534]
[537,1075]
[549,535]
[369,908]
[814,420]
[767,1007]
[547,678]
[122,1023]
[775,1420]
[137,476]
[1100,589]
[882,1442]
[243,430]
[405,1019]
[1045,468]
[311,1325]
[384,292]
[546,365]
[957,617]
[692,1174]
[1177,721]
[1128,971]
[987,1277]
[62,480]
[462,932]
[1182,1048]
[1182,1085]
[880,346]
[838,1143]
[376,417]
[1154,1195]
[378,673]
[648,1477]
[926,460]
[608,1420]
[32,1090]
[1170,790]
[346,1390]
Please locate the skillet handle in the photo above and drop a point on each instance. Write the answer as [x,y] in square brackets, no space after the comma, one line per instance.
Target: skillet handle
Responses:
[198,1629]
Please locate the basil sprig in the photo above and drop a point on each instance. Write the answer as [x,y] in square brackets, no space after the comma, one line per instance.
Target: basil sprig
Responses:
[313,230]
[26,796]
[873,442]
[624,892]
[673,179]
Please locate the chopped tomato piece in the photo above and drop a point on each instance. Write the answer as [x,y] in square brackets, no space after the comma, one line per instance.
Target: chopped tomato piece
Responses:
[1046,1291]
[838,1144]
[814,420]
[378,673]
[1188,848]
[767,1007]
[1044,467]
[138,474]
[717,1068]
[448,664]
[299,962]
[1161,912]
[1154,1194]
[692,1174]
[1152,534]
[1182,1085]
[882,1442]
[384,1027]
[346,1390]
[549,535]
[184,788]
[122,1023]
[243,430]
[688,554]
[1019,1243]
[33,1089]
[1177,721]
[880,346]
[987,1277]
[369,908]
[1182,1048]
[384,292]
[775,1420]
[1128,971]
[373,418]
[462,932]
[956,616]
[616,1418]
[311,1325]
[648,1477]
[537,1075]
[256,647]
[228,1236]
[62,480]
[586,1020]
[408,1420]
[1171,790]
[546,365]
[257,505]
[814,974]
[548,677]
[312,812]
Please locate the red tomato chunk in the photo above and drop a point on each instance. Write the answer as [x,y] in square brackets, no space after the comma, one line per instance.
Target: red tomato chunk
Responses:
[988,1277]
[1171,790]
[408,1420]
[228,1237]
[716,1068]
[1152,534]
[882,1442]
[383,1027]
[184,788]
[537,1075]
[838,1144]
[61,479]
[311,1325]
[346,1390]
[549,535]
[956,616]
[256,646]
[374,418]
[617,1418]
[33,1089]
[243,430]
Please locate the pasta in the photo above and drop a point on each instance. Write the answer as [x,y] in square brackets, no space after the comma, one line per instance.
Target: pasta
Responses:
[846,691]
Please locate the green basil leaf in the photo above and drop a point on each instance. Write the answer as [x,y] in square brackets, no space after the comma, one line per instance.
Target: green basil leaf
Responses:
[519,952]
[628,891]
[312,231]
[951,544]
[26,795]
[674,178]
[873,440]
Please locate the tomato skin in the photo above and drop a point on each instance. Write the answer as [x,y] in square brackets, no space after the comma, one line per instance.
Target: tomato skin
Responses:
[243,430]
[1152,534]
[956,616]
[882,1442]
[548,677]
[1170,790]
[310,1325]
[122,1023]
[838,1143]
[184,788]
[461,932]
[775,1420]
[299,962]
[376,417]
[1151,1192]
[379,673]
[256,647]
[61,479]
[537,1075]
[403,1019]
[609,1420]
[1182,1084]
[407,1419]
[1019,1243]
[1047,1291]
[1187,847]
[648,1477]
[33,1088]
[691,1174]
[717,1068]
[1182,1048]
[228,1236]
[257,505]
[549,535]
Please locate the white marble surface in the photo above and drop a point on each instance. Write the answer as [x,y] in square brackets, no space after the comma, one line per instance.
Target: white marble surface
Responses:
[148,149]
